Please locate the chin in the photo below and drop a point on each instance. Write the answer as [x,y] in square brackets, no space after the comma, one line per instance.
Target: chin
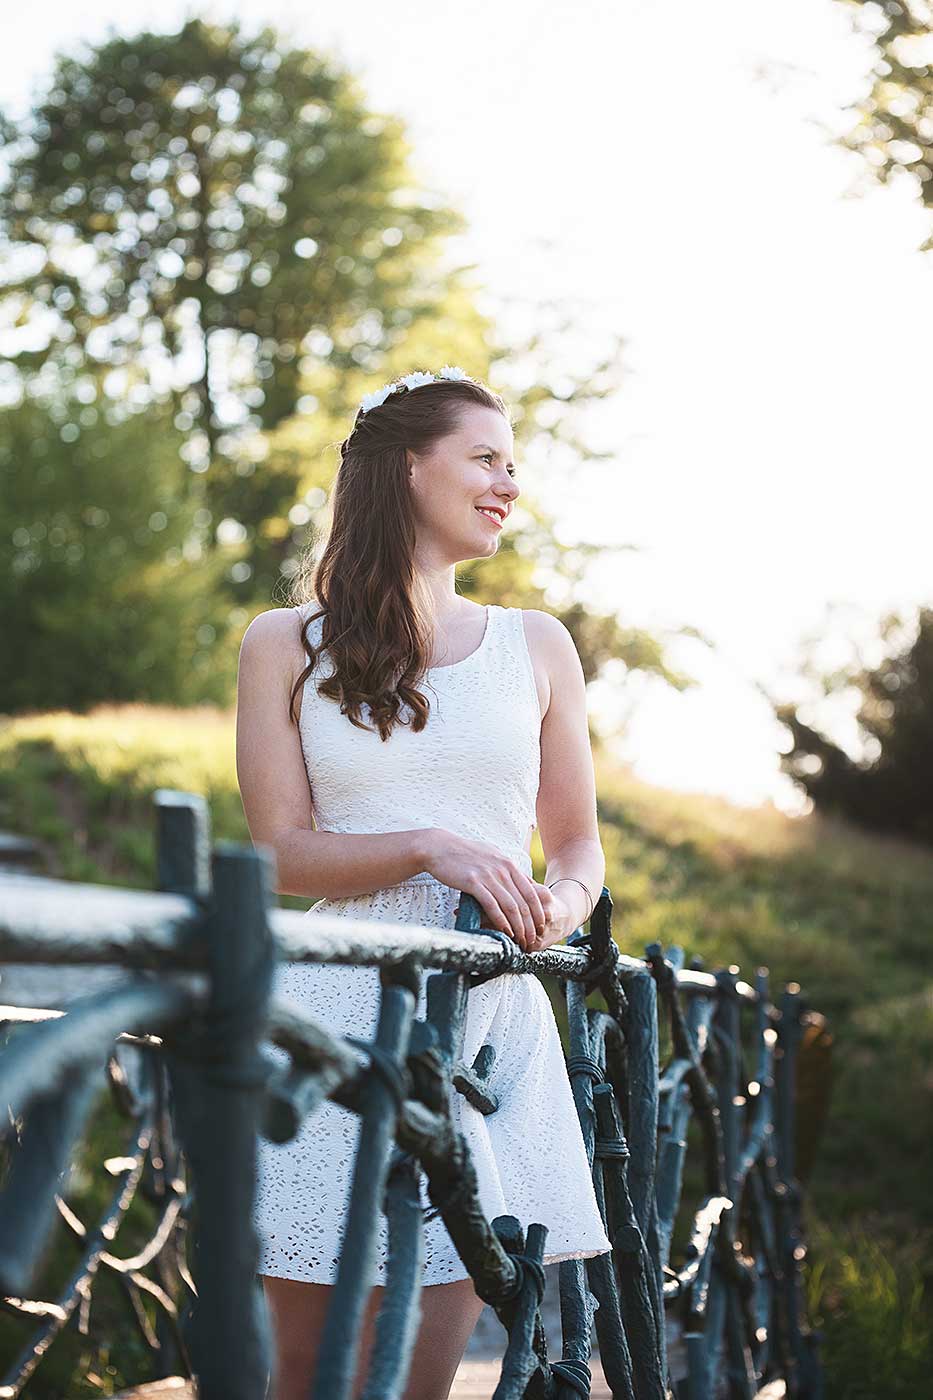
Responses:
[471,552]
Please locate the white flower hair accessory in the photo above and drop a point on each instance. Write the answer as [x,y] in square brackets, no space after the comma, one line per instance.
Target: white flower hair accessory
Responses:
[377,397]
[410,381]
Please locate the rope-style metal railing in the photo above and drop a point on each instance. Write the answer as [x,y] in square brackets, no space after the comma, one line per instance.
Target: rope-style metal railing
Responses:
[188,998]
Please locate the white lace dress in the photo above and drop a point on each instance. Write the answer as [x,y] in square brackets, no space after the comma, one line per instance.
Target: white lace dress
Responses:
[473,769]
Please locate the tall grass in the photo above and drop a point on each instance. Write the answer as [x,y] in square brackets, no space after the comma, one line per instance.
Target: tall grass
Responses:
[869,1296]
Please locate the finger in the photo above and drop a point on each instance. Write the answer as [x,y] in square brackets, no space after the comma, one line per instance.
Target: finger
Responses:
[547,897]
[549,904]
[522,890]
[494,916]
[530,892]
[525,911]
[511,909]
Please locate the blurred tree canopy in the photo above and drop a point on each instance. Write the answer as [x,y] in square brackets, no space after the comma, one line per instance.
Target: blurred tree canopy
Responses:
[105,591]
[210,249]
[891,790]
[212,214]
[894,121]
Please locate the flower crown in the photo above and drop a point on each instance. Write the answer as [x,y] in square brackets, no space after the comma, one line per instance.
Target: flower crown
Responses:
[410,381]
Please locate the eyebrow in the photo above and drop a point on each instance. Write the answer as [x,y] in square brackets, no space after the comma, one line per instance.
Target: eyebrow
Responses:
[494,450]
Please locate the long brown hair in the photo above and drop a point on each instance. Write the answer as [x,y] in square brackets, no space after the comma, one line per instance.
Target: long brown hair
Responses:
[377,626]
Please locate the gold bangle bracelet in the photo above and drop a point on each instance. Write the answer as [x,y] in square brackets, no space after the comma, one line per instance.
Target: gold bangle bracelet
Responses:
[575,881]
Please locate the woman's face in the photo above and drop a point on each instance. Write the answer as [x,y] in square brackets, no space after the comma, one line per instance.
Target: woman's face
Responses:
[467,469]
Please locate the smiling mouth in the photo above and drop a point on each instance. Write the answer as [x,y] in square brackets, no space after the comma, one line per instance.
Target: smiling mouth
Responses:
[493,518]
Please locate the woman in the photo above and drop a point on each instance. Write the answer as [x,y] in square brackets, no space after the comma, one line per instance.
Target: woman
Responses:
[388,804]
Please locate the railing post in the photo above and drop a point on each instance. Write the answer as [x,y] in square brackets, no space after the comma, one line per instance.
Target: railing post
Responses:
[217,1075]
[804,1374]
[183,866]
[728,1339]
[785,1067]
[642,1128]
[338,1358]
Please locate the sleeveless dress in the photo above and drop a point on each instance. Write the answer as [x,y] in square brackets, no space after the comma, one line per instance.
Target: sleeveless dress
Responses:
[473,769]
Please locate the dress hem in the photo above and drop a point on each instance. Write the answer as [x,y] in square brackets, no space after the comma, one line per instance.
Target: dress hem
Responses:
[455,1278]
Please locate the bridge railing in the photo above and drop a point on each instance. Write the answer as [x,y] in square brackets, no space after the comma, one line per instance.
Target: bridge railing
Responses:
[176,1018]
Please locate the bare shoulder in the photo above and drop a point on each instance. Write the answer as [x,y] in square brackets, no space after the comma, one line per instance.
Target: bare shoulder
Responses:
[553,652]
[269,624]
[547,627]
[552,637]
[271,647]
[277,630]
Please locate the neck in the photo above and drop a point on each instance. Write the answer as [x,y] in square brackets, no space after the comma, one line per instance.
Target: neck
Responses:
[436,591]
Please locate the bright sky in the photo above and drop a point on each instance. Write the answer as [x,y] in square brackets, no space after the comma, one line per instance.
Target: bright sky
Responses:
[669,171]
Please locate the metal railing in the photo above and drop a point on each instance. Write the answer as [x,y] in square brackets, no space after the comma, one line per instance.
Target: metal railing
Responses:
[185,997]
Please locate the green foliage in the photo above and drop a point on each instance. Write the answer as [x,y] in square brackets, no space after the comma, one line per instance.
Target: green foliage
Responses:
[213,248]
[104,591]
[211,216]
[218,220]
[868,1294]
[892,127]
[815,902]
[226,186]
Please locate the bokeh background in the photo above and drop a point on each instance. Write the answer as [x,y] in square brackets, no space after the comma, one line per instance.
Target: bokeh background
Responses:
[691,246]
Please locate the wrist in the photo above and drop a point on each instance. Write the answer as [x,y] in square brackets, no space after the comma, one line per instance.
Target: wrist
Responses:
[568,922]
[575,898]
[422,847]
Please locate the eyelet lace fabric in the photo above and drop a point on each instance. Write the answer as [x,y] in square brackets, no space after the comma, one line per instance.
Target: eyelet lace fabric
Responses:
[474,770]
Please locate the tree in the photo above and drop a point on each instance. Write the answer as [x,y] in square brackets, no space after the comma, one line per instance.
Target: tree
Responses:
[219,221]
[104,592]
[213,212]
[889,790]
[894,121]
[213,231]
[893,131]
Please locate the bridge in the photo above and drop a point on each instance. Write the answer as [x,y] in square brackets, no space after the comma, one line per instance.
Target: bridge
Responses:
[165,998]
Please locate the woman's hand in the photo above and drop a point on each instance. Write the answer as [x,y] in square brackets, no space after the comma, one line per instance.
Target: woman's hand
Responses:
[560,922]
[512,901]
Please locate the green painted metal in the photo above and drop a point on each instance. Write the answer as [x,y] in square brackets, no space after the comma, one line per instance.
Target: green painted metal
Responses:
[192,1004]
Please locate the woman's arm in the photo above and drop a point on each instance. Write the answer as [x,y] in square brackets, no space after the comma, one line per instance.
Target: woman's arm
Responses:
[274,784]
[566,806]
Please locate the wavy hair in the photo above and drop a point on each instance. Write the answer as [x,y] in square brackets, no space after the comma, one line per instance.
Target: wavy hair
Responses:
[377,623]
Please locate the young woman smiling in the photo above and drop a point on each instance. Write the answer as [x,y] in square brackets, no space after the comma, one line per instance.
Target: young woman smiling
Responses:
[388,803]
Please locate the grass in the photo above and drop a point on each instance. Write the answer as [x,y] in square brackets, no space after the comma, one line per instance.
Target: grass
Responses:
[847,915]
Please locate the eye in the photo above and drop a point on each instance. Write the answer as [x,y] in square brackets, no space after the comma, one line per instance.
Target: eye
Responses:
[488,456]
